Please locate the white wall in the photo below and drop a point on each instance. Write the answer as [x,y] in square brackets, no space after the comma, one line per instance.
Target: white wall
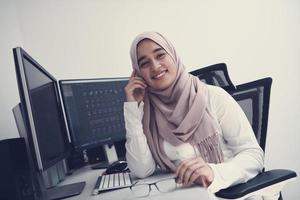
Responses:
[84,39]
[10,36]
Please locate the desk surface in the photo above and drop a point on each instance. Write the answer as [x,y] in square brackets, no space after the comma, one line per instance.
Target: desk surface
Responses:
[90,176]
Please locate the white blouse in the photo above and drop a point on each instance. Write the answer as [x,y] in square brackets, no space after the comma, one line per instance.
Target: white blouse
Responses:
[243,157]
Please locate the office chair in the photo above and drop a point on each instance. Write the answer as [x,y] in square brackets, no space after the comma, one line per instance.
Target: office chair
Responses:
[254,98]
[216,74]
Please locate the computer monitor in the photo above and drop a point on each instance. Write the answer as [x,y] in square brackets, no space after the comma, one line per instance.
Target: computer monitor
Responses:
[94,111]
[42,115]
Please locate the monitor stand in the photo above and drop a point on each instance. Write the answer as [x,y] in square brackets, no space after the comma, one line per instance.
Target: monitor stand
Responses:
[57,192]
[111,156]
[64,191]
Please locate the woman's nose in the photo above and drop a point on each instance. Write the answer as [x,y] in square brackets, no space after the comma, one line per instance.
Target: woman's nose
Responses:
[156,64]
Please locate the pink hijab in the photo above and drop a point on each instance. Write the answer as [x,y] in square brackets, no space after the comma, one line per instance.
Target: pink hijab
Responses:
[179,113]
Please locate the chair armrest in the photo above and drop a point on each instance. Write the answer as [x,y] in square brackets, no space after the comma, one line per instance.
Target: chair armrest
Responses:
[260,181]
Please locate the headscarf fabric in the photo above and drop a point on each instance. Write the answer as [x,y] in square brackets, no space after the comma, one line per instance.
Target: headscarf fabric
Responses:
[178,114]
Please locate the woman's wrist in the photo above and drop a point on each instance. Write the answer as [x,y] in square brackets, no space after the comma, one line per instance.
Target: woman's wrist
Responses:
[130,98]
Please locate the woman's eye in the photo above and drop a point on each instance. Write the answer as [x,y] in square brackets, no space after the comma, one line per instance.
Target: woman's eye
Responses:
[144,64]
[161,55]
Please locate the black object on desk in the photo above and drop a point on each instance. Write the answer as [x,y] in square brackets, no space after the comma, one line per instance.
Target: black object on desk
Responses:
[117,167]
[16,178]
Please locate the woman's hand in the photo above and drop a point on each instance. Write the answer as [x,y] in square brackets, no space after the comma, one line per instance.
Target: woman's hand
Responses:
[194,170]
[135,89]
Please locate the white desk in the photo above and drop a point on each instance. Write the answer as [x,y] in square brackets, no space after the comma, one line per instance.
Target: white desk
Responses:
[90,176]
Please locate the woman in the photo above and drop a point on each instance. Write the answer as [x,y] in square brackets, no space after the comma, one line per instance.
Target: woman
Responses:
[180,124]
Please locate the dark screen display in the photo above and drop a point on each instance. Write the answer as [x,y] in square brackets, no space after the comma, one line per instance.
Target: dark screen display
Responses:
[94,110]
[47,114]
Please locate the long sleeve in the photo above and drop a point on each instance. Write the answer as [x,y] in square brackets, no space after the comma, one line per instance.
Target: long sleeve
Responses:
[138,154]
[243,156]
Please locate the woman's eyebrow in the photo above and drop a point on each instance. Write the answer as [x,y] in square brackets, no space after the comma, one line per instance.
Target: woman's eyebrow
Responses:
[157,49]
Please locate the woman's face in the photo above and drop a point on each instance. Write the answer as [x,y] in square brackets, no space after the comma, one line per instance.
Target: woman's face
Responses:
[157,67]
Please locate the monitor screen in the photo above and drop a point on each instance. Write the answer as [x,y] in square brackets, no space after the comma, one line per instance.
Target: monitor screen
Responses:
[42,109]
[94,110]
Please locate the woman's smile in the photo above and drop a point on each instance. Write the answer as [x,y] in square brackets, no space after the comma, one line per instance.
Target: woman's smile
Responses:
[160,75]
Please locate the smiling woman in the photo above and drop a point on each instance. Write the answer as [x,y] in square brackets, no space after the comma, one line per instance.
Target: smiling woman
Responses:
[156,66]
[176,122]
[255,38]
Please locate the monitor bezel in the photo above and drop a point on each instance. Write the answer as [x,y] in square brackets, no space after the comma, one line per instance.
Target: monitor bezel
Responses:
[90,80]
[19,55]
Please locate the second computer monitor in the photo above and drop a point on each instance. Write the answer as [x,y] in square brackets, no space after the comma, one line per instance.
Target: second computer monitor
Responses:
[41,110]
[94,110]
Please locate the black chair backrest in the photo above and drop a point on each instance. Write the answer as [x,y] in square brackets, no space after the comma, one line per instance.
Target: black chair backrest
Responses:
[215,75]
[254,99]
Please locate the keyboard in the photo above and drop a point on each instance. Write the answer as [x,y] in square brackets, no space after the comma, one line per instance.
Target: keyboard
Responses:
[112,181]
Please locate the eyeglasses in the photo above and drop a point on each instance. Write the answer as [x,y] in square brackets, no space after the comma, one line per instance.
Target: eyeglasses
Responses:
[163,186]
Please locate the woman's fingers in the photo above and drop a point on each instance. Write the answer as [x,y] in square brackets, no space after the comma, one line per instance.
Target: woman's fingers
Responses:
[131,87]
[203,176]
[135,79]
[138,80]
[184,165]
[184,169]
[191,170]
[135,88]
[199,176]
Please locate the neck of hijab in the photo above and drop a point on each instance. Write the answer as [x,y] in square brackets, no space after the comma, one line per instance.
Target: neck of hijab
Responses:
[178,114]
